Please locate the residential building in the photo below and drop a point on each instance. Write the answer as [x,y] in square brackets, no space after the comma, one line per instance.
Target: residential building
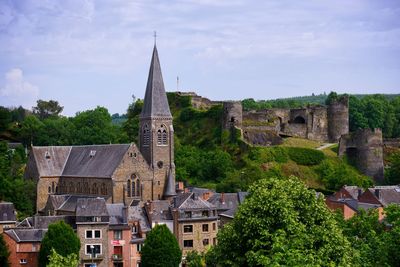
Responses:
[8,218]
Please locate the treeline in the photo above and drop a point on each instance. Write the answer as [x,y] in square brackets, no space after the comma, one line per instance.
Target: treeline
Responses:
[365,111]
[44,126]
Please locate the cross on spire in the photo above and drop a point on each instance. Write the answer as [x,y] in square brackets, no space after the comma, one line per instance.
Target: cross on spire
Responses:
[155,37]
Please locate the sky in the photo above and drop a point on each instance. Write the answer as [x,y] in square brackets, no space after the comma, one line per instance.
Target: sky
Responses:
[88,53]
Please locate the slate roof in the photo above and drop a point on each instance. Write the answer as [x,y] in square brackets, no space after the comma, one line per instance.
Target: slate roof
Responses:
[191,201]
[43,222]
[50,160]
[137,213]
[155,99]
[170,189]
[25,223]
[354,191]
[199,190]
[94,161]
[26,235]
[387,194]
[70,203]
[91,207]
[117,213]
[227,201]
[7,212]
[229,213]
[159,210]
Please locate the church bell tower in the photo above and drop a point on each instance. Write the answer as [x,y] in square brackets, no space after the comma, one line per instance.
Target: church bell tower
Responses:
[156,133]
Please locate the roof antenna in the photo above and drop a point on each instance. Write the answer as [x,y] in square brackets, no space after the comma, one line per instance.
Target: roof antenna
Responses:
[177,83]
[155,38]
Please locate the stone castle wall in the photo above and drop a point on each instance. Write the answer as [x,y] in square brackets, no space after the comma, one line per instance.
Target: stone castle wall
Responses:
[365,149]
[338,119]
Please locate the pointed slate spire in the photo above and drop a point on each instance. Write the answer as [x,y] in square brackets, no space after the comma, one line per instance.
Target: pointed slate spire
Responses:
[155,99]
[170,190]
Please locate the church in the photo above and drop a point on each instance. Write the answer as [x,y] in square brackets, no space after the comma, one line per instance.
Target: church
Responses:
[120,173]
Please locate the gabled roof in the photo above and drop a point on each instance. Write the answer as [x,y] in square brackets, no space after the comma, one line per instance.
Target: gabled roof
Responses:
[50,160]
[26,234]
[155,99]
[191,201]
[159,210]
[386,194]
[354,191]
[91,207]
[227,201]
[7,212]
[94,161]
[43,222]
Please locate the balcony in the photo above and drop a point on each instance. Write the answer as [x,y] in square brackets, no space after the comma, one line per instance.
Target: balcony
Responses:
[98,257]
[116,257]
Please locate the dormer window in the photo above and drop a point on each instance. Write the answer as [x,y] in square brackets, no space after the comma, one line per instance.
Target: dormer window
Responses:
[92,153]
[47,155]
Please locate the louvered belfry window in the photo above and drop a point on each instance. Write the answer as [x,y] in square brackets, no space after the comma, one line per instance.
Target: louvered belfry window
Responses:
[146,135]
[162,136]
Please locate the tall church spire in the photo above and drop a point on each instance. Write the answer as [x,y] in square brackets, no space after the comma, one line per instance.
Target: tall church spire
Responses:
[155,100]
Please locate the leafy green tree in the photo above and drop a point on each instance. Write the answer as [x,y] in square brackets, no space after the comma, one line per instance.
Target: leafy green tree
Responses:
[30,128]
[60,237]
[4,253]
[131,125]
[392,172]
[56,260]
[56,131]
[5,118]
[365,232]
[94,127]
[282,222]
[161,248]
[194,259]
[45,109]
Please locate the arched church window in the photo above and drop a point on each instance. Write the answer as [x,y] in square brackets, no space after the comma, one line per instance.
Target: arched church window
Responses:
[146,135]
[52,187]
[128,188]
[162,137]
[78,188]
[49,189]
[135,186]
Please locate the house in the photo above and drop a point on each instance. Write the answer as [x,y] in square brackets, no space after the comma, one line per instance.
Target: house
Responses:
[8,218]
[195,222]
[227,205]
[24,245]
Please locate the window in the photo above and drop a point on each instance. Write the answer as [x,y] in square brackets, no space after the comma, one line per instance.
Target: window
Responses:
[90,264]
[214,226]
[93,234]
[188,214]
[23,261]
[117,234]
[49,189]
[133,187]
[146,135]
[95,190]
[187,243]
[205,227]
[139,247]
[93,249]
[162,136]
[103,189]
[188,228]
[78,188]
[134,230]
[204,213]
[206,242]
[52,187]
[71,187]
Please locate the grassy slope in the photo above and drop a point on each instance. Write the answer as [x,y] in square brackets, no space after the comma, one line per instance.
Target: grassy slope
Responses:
[201,132]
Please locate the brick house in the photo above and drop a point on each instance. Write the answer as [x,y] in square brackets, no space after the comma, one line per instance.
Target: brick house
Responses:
[24,246]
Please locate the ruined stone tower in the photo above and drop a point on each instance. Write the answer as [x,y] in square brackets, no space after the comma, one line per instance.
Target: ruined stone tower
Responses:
[156,133]
[365,149]
[232,114]
[338,119]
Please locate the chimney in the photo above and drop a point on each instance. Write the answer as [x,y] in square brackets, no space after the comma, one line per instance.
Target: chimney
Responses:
[206,195]
[359,192]
[222,198]
[377,193]
[181,186]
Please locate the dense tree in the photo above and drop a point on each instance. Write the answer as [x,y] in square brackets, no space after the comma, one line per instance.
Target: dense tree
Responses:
[60,237]
[131,125]
[4,253]
[5,118]
[30,128]
[45,109]
[194,259]
[59,131]
[161,248]
[56,260]
[94,127]
[282,222]
[392,172]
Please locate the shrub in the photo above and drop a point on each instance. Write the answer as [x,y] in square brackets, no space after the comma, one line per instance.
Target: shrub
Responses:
[305,156]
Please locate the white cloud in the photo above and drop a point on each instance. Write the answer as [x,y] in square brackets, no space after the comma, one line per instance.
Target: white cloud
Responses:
[17,91]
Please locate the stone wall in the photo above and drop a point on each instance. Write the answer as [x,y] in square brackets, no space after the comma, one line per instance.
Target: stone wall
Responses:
[365,149]
[338,119]
[232,114]
[102,260]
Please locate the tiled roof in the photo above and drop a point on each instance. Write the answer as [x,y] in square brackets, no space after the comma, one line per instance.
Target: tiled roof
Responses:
[117,213]
[91,207]
[159,210]
[136,213]
[155,99]
[98,161]
[7,212]
[50,160]
[26,234]
[192,201]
